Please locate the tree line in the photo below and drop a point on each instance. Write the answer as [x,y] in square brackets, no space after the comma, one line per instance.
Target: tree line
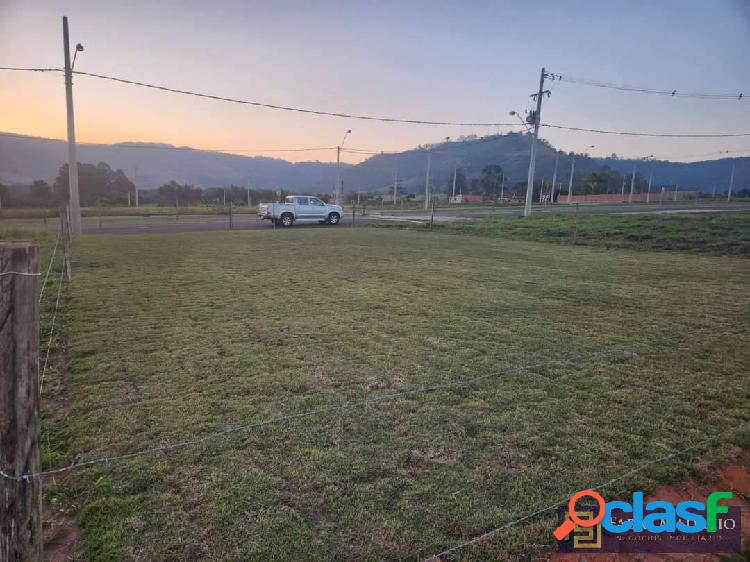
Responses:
[99,184]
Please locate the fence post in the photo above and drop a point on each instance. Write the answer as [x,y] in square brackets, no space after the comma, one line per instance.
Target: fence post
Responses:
[20,499]
[65,235]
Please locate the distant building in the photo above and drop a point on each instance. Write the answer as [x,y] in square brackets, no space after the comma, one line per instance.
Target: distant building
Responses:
[462,198]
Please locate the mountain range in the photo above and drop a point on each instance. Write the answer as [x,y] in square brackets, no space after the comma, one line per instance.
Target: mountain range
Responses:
[24,159]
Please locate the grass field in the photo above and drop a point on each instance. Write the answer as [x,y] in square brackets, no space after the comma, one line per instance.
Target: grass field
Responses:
[717,233]
[176,336]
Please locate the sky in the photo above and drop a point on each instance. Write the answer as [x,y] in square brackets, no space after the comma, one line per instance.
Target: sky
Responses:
[468,61]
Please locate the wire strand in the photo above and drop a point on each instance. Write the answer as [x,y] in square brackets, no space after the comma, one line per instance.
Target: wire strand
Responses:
[636,134]
[489,534]
[52,327]
[282,418]
[49,267]
[625,88]
[288,108]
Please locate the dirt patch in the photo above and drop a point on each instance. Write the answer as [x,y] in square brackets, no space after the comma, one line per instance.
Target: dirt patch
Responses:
[735,478]
[61,535]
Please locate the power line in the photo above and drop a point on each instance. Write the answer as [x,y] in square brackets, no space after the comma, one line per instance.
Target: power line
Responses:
[625,88]
[287,108]
[636,134]
[21,69]
[383,119]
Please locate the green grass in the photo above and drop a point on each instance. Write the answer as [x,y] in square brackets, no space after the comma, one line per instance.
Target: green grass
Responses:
[717,233]
[173,336]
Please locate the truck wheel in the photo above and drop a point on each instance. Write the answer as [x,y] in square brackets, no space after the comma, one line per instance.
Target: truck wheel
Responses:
[286,220]
[333,218]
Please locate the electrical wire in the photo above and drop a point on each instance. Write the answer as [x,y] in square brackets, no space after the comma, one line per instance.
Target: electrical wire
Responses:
[636,134]
[625,88]
[288,108]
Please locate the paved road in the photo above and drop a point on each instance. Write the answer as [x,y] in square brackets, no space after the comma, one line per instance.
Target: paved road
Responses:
[200,223]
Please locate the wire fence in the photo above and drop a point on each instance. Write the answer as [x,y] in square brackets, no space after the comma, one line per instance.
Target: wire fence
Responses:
[52,326]
[282,418]
[527,517]
[49,268]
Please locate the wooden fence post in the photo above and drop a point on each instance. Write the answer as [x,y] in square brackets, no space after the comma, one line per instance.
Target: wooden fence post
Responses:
[20,499]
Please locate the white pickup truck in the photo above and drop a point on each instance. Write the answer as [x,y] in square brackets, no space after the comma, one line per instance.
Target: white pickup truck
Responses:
[300,208]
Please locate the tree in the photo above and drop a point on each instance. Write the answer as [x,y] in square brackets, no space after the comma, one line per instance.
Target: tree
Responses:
[492,176]
[96,184]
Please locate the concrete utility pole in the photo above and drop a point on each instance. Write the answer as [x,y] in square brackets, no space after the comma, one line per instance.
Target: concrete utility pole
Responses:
[541,191]
[648,193]
[427,190]
[554,178]
[502,188]
[622,192]
[75,202]
[338,191]
[570,180]
[632,185]
[713,192]
[731,184]
[455,171]
[532,155]
[395,188]
[249,199]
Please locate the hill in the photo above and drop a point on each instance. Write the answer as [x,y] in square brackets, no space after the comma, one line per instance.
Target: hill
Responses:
[511,151]
[24,159]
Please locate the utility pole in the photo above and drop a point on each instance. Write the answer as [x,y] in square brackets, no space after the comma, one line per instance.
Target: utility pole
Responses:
[395,188]
[337,191]
[632,185]
[532,155]
[554,178]
[713,192]
[570,180]
[731,184]
[249,199]
[502,188]
[648,193]
[455,171]
[427,191]
[541,191]
[75,202]
[622,191]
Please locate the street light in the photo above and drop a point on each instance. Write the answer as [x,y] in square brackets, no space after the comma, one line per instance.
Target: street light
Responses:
[572,170]
[524,123]
[337,193]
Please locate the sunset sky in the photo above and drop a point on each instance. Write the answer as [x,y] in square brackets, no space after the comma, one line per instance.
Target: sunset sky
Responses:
[433,60]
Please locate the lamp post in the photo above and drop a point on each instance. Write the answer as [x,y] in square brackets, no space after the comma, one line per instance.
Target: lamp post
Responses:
[572,171]
[337,193]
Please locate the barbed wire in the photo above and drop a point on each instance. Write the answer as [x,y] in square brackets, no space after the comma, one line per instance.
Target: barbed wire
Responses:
[22,273]
[52,326]
[489,534]
[282,418]
[49,267]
